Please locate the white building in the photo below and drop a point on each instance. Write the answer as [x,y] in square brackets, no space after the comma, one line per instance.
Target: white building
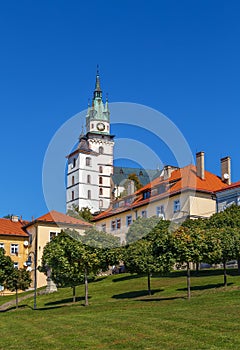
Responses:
[90,166]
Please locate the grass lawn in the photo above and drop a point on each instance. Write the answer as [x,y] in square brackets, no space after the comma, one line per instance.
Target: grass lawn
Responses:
[122,316]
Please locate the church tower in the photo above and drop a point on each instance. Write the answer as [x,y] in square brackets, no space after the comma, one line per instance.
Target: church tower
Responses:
[90,166]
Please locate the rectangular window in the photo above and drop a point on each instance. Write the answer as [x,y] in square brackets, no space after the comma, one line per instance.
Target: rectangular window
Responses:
[160,210]
[113,225]
[15,265]
[2,245]
[52,235]
[118,224]
[104,227]
[146,194]
[176,206]
[144,213]
[128,220]
[14,249]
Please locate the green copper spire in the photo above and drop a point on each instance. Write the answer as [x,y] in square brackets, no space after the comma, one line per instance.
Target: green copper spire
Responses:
[97,92]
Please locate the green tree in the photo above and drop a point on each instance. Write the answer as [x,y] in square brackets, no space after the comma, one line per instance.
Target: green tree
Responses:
[83,214]
[99,239]
[136,181]
[188,246]
[151,253]
[19,279]
[140,228]
[6,266]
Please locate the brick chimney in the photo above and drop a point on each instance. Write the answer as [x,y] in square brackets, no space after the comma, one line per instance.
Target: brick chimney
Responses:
[14,218]
[226,170]
[200,165]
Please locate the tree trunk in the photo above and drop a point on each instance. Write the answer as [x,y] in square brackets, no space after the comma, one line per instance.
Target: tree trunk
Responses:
[149,283]
[74,294]
[16,298]
[224,274]
[188,281]
[197,267]
[86,287]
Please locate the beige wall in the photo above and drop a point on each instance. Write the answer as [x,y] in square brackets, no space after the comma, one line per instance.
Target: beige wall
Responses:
[191,204]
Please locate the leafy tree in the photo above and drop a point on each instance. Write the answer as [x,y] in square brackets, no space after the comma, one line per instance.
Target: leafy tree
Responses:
[151,253]
[136,181]
[99,239]
[188,246]
[6,266]
[229,218]
[140,228]
[83,214]
[19,279]
[62,255]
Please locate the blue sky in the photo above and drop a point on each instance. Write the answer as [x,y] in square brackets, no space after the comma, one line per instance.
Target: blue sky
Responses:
[178,57]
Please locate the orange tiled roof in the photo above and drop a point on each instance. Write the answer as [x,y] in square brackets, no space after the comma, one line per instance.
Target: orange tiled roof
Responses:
[56,217]
[180,180]
[9,227]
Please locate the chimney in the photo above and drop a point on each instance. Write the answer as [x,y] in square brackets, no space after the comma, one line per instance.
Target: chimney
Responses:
[226,170]
[14,218]
[200,165]
[167,171]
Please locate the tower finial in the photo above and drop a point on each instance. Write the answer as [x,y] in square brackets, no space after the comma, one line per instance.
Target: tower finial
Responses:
[97,91]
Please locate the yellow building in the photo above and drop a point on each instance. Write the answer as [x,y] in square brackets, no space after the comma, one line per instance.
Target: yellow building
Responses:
[42,230]
[177,194]
[14,240]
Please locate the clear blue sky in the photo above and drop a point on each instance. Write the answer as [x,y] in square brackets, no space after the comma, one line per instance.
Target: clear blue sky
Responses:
[178,57]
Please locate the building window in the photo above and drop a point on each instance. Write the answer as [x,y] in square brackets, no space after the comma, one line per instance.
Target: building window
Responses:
[100,180]
[100,191]
[14,249]
[72,195]
[146,194]
[176,206]
[92,126]
[144,213]
[160,211]
[140,173]
[100,150]
[2,245]
[100,169]
[88,161]
[15,265]
[128,220]
[89,194]
[74,162]
[100,203]
[113,225]
[52,235]
[72,180]
[104,227]
[118,224]
[88,179]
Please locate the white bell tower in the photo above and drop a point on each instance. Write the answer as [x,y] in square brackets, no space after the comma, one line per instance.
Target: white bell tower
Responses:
[90,167]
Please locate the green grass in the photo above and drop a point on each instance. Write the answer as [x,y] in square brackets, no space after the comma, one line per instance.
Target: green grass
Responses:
[122,316]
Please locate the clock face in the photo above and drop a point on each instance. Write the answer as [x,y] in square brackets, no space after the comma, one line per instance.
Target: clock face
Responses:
[100,126]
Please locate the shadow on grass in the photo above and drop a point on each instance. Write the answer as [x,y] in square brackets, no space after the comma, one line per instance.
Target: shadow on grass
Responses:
[136,294]
[66,301]
[208,286]
[125,278]
[160,299]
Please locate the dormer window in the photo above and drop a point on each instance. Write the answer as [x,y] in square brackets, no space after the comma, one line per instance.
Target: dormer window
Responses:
[146,194]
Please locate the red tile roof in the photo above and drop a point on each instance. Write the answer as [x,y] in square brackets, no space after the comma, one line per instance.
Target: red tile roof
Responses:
[12,228]
[230,187]
[180,180]
[59,218]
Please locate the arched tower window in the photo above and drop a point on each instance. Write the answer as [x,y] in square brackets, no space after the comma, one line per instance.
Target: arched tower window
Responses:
[72,195]
[100,150]
[100,180]
[74,162]
[89,194]
[100,191]
[88,179]
[73,181]
[100,169]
